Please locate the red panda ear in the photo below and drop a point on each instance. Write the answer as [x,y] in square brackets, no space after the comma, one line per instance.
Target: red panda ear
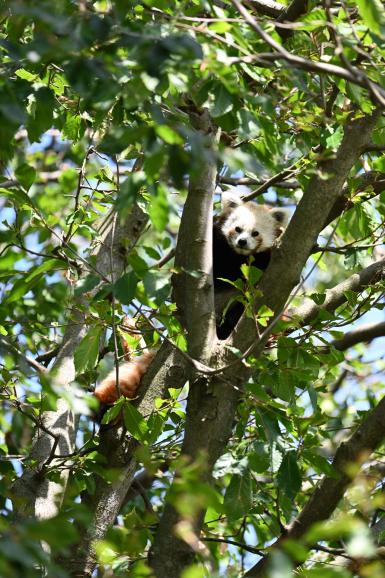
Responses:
[281,216]
[230,200]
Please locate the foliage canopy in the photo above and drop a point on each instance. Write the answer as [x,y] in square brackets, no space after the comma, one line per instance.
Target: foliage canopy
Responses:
[112,114]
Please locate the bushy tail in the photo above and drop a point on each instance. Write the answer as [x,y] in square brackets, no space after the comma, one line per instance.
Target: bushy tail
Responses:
[130,372]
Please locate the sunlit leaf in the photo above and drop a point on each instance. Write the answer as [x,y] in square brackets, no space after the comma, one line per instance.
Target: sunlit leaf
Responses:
[373,14]
[87,352]
[134,422]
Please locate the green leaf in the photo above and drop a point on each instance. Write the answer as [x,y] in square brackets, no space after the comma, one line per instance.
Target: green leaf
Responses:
[155,426]
[259,458]
[22,286]
[238,496]
[288,351]
[18,197]
[373,14]
[157,286]
[252,274]
[86,284]
[134,422]
[113,412]
[229,464]
[26,175]
[220,27]
[318,298]
[355,257]
[284,387]
[320,464]
[269,422]
[57,532]
[334,140]
[87,352]
[223,102]
[248,126]
[125,287]
[42,117]
[356,223]
[129,191]
[194,571]
[138,264]
[168,135]
[105,174]
[289,476]
[116,140]
[48,265]
[326,572]
[275,457]
[159,209]
[25,75]
[152,253]
[72,127]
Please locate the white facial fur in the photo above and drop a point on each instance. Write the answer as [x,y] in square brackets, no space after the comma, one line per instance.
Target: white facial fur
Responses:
[248,227]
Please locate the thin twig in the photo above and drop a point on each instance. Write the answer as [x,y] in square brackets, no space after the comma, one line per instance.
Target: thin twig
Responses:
[234,543]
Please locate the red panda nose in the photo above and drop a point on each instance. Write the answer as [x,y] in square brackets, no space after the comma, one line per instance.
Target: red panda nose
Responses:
[242,243]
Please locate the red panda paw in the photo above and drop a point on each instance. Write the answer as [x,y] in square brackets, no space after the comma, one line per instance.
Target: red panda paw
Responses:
[130,376]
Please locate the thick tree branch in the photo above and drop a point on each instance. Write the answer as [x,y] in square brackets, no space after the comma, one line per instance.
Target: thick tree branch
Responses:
[210,416]
[33,494]
[362,334]
[336,296]
[368,436]
[211,405]
[193,285]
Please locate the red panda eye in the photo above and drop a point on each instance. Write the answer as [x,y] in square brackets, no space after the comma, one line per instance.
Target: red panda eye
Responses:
[255,233]
[238,230]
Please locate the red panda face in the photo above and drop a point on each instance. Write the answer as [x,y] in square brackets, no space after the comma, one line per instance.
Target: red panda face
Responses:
[251,228]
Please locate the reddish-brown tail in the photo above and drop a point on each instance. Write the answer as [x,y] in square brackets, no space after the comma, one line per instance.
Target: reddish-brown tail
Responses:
[130,376]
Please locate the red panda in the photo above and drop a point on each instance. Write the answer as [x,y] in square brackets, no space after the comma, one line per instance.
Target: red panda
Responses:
[241,229]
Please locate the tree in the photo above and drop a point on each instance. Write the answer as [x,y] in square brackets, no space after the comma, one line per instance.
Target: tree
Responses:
[255,456]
